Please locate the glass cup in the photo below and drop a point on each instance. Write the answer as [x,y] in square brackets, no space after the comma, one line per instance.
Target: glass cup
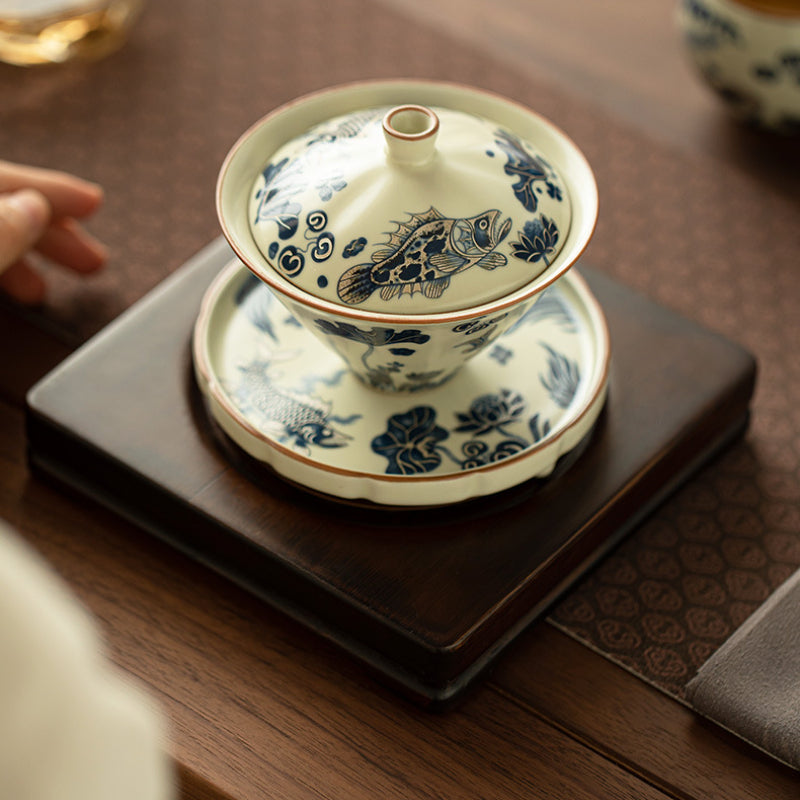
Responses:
[56,31]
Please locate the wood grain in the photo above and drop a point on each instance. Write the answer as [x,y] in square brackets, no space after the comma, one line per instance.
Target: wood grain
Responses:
[260,708]
[615,713]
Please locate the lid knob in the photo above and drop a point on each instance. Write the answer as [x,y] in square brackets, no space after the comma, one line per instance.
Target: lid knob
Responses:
[410,133]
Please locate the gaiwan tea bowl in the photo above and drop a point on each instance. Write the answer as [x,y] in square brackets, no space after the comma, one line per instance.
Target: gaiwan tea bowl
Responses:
[407,224]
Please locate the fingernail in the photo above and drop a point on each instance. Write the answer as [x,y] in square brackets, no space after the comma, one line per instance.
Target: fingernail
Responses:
[31,204]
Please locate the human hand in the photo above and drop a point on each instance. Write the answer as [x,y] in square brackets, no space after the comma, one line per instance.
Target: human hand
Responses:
[39,209]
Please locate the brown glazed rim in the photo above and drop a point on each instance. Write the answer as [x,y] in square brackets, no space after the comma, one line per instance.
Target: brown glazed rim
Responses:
[431,128]
[777,8]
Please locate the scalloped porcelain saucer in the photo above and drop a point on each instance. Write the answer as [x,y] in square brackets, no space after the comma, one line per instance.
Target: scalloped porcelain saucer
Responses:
[507,416]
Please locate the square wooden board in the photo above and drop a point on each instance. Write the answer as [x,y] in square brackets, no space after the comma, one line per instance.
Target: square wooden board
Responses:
[426,598]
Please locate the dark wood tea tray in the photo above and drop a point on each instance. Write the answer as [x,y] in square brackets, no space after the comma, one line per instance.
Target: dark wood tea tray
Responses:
[426,598]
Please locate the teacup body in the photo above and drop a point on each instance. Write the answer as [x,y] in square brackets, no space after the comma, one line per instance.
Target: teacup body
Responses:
[407,356]
[748,51]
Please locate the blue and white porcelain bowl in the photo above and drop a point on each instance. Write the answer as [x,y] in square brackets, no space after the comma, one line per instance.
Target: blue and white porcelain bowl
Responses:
[414,220]
[748,51]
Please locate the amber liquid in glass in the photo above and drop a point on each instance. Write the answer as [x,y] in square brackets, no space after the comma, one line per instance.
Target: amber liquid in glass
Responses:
[63,31]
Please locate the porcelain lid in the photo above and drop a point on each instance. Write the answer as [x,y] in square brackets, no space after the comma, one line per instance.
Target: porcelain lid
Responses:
[409,210]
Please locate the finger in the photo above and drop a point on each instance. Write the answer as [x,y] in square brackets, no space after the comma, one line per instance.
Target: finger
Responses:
[68,244]
[24,216]
[22,283]
[68,195]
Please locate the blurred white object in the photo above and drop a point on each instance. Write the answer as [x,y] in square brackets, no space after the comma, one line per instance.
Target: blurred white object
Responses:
[71,728]
[748,51]
[54,31]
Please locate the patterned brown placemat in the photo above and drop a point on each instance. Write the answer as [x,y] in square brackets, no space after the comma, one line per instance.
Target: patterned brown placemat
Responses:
[153,122]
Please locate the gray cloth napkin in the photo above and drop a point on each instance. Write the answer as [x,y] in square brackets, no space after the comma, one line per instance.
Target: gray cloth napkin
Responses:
[751,685]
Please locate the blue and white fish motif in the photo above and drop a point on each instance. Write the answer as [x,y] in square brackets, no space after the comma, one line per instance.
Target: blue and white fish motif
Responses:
[424,253]
[346,127]
[301,418]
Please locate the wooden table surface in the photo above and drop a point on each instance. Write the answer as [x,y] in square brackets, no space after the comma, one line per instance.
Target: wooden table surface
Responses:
[259,707]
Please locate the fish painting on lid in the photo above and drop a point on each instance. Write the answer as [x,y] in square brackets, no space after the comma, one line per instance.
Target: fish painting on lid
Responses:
[423,255]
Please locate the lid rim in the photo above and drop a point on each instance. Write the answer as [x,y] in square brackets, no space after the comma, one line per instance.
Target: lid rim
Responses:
[308,300]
